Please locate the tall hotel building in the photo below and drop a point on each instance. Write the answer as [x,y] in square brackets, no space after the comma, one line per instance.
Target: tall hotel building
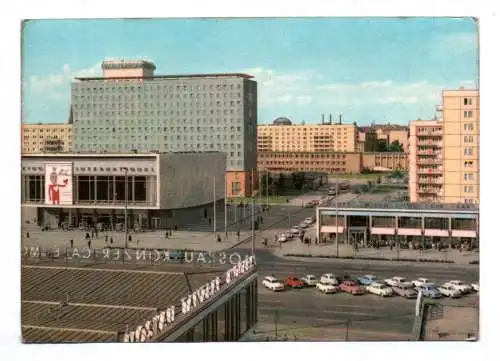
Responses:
[131,109]
[444,155]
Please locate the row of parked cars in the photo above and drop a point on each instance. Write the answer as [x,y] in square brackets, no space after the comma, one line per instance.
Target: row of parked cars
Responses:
[330,283]
[296,231]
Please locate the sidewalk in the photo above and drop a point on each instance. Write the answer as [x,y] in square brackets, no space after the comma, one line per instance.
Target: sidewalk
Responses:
[196,241]
[292,248]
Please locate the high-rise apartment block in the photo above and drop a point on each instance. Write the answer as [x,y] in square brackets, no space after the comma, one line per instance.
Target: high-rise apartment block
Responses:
[46,138]
[444,154]
[283,136]
[131,109]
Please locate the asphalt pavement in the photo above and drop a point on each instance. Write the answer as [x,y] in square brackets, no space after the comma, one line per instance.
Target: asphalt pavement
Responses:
[307,314]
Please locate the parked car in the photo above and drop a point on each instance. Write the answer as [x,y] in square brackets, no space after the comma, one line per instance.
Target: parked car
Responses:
[430,290]
[282,238]
[329,278]
[367,280]
[295,230]
[309,220]
[289,235]
[475,286]
[303,225]
[309,280]
[449,290]
[460,286]
[272,283]
[397,282]
[420,282]
[405,290]
[293,282]
[379,289]
[351,287]
[327,287]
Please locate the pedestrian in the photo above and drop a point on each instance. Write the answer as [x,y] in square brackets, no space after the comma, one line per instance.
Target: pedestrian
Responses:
[111,240]
[130,238]
[209,220]
[87,236]
[218,238]
[106,239]
[89,243]
[226,234]
[71,243]
[166,234]
[27,234]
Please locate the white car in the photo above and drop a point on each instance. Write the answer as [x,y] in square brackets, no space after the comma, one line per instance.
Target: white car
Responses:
[295,230]
[475,286]
[272,283]
[309,280]
[282,238]
[421,282]
[449,291]
[329,278]
[460,286]
[327,287]
[379,289]
[397,282]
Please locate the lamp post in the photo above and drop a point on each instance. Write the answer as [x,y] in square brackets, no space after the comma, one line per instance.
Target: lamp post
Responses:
[125,169]
[337,213]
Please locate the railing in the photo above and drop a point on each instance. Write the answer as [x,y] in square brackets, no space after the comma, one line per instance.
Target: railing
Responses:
[410,206]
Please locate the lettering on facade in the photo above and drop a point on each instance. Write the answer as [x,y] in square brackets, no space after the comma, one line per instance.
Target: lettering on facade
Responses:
[151,328]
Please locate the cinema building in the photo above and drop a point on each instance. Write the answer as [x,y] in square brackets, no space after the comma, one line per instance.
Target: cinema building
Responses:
[152,190]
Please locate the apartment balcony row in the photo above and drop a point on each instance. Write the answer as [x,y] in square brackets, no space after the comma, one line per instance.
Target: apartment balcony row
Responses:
[435,160]
[429,143]
[423,132]
[431,180]
[430,190]
[427,151]
[430,170]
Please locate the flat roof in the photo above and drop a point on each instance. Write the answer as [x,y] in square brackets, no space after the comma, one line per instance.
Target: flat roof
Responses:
[176,76]
[94,302]
[407,206]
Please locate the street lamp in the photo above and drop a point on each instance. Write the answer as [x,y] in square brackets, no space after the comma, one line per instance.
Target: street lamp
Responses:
[125,169]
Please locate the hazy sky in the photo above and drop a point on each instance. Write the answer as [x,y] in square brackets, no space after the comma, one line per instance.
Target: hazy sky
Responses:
[378,69]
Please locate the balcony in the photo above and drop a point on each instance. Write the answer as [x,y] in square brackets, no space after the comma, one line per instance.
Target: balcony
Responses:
[434,160]
[431,180]
[430,170]
[429,133]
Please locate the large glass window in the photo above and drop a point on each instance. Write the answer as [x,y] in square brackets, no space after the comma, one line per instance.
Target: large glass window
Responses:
[140,185]
[198,332]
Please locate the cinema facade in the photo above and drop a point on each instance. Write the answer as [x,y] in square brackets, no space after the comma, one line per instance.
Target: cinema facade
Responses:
[153,189]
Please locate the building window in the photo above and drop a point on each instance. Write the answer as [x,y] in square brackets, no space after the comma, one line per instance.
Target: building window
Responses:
[467,113]
[467,151]
[468,164]
[468,126]
[235,187]
[467,101]
[468,189]
[468,176]
[468,139]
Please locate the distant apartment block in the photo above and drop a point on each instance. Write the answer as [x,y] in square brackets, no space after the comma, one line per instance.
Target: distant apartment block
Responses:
[370,136]
[330,162]
[131,109]
[46,138]
[444,154]
[283,136]
[426,180]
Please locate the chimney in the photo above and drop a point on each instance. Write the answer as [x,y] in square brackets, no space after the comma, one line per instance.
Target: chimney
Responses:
[323,118]
[340,118]
[330,118]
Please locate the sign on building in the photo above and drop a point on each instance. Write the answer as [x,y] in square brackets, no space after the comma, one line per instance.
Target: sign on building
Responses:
[58,183]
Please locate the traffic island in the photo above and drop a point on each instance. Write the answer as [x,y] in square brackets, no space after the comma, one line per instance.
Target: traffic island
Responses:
[369,258]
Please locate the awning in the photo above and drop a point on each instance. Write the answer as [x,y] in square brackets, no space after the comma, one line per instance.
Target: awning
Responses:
[409,231]
[437,233]
[464,234]
[383,231]
[331,229]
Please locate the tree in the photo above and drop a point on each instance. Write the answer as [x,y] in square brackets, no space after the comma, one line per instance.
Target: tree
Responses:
[381,146]
[280,184]
[298,180]
[397,174]
[264,182]
[395,147]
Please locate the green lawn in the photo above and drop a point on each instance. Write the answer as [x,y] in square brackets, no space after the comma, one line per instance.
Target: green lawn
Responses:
[272,199]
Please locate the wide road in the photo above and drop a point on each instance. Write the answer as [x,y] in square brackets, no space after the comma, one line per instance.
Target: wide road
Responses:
[308,314]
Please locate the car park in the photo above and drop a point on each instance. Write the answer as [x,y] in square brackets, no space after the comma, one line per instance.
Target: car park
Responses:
[430,290]
[475,286]
[420,282]
[329,278]
[460,286]
[327,287]
[309,280]
[352,287]
[405,290]
[272,283]
[367,280]
[449,290]
[293,282]
[397,282]
[379,289]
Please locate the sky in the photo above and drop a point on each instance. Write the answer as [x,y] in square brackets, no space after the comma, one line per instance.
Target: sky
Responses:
[384,70]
